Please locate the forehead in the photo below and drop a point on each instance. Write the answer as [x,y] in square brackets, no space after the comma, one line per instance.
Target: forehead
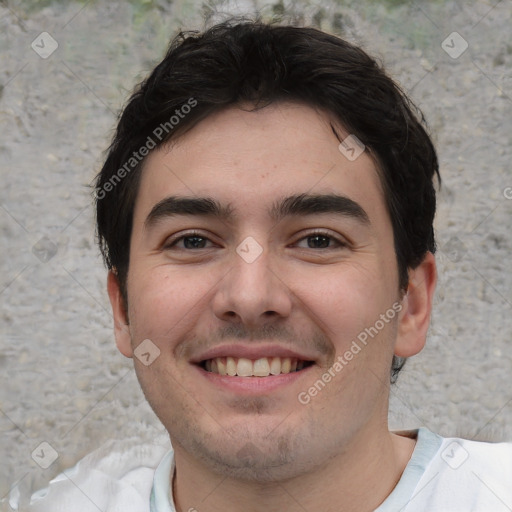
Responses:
[249,159]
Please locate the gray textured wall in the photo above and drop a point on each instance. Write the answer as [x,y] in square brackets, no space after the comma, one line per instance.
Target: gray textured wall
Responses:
[63,381]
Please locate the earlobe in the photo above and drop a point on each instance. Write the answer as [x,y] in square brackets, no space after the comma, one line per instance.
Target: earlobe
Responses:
[121,326]
[417,306]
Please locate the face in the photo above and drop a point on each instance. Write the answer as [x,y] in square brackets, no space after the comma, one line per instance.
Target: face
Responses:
[259,249]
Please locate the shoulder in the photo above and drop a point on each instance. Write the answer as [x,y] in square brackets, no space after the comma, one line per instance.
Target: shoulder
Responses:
[478,455]
[465,473]
[117,476]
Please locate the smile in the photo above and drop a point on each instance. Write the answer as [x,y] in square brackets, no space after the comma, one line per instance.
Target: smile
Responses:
[262,367]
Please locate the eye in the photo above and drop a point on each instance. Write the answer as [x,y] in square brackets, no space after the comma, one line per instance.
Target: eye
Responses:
[321,240]
[191,240]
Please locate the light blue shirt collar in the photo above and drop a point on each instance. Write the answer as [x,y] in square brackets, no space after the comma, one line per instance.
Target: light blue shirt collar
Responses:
[161,494]
[427,445]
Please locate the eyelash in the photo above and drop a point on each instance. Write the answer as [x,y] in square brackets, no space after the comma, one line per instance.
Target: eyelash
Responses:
[192,234]
[340,243]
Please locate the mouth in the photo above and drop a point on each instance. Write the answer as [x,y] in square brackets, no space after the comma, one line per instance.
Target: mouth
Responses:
[262,367]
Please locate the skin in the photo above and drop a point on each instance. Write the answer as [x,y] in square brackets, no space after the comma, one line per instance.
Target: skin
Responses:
[268,452]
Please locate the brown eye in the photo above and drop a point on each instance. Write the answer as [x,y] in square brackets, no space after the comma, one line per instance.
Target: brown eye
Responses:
[320,240]
[194,242]
[188,241]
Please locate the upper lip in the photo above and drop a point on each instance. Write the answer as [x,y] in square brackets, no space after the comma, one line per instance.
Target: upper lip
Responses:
[253,351]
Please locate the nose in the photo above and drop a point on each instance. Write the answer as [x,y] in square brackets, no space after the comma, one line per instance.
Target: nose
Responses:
[252,292]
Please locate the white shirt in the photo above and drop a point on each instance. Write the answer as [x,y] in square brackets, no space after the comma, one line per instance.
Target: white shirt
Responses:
[443,475]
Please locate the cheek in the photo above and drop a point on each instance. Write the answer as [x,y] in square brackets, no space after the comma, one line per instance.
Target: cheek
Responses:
[343,302]
[162,303]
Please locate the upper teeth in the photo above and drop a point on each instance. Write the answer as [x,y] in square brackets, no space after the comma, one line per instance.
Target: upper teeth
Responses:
[253,368]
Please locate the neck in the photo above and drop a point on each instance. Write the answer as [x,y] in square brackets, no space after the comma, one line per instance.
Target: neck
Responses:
[358,479]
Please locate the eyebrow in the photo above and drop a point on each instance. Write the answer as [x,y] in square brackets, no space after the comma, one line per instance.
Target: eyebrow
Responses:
[197,206]
[309,204]
[295,205]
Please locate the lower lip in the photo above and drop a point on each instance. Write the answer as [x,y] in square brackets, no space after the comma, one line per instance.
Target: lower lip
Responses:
[253,385]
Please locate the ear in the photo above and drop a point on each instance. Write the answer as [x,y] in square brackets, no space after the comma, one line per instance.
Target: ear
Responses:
[121,326]
[414,317]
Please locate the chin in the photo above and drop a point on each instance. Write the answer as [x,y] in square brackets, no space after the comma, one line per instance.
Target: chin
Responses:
[250,457]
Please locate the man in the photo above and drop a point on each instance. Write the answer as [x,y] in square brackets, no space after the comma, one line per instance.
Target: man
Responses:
[265,212]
